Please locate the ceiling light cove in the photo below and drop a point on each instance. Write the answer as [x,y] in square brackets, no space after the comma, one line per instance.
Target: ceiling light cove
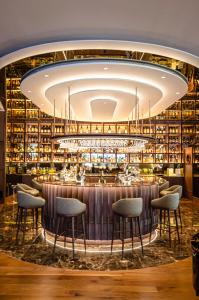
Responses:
[88,87]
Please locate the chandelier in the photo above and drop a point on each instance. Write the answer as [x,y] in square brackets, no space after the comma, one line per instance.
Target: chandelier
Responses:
[127,142]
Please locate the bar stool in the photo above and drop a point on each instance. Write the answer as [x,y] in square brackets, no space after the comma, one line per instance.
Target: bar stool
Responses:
[128,208]
[27,189]
[172,190]
[28,202]
[166,204]
[69,208]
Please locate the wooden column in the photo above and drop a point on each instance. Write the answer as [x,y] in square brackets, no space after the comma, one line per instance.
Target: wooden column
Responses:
[188,173]
[2,135]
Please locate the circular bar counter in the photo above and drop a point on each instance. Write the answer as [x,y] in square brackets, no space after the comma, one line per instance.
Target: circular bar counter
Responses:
[99,200]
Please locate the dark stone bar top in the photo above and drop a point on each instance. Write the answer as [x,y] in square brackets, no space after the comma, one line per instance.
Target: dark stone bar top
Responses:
[99,199]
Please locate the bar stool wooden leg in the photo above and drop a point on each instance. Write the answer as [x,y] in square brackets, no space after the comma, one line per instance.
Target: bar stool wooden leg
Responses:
[138,221]
[160,222]
[36,219]
[24,229]
[179,211]
[57,231]
[151,224]
[84,231]
[176,219]
[123,236]
[131,231]
[113,231]
[43,221]
[73,236]
[18,222]
[33,219]
[168,212]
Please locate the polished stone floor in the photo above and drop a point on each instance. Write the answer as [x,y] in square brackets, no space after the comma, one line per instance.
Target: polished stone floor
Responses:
[35,250]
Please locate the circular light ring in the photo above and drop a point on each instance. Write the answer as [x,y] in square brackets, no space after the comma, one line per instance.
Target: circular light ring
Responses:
[132,143]
[135,71]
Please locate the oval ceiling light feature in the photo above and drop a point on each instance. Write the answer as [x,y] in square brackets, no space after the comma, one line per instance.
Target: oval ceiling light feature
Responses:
[140,74]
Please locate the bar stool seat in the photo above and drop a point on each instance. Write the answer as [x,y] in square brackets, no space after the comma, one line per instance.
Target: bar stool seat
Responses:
[36,185]
[27,189]
[167,204]
[69,208]
[163,186]
[128,208]
[26,202]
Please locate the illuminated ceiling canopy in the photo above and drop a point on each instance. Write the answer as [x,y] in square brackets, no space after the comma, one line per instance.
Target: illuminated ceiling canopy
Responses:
[103,90]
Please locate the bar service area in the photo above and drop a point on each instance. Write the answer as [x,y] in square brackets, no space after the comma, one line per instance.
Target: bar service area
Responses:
[100,146]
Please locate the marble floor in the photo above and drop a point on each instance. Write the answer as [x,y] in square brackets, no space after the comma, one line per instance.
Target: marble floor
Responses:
[35,250]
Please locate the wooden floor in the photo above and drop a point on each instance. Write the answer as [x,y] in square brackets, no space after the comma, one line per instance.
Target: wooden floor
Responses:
[21,280]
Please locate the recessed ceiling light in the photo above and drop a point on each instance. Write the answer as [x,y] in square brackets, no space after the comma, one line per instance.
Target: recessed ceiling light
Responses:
[29,91]
[46,75]
[163,77]
[42,104]
[105,68]
[177,93]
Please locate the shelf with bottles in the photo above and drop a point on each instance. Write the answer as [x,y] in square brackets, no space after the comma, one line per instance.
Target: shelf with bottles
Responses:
[109,158]
[13,83]
[174,139]
[174,148]
[188,141]
[55,148]
[161,148]
[84,157]
[15,157]
[161,129]
[149,148]
[196,158]
[174,114]
[58,129]
[109,128]
[58,157]
[32,147]
[32,113]
[188,105]
[174,129]
[174,158]
[95,128]
[45,157]
[122,128]
[161,116]
[32,128]
[97,157]
[72,128]
[135,158]
[71,158]
[188,114]
[161,158]
[148,158]
[45,128]
[161,139]
[84,128]
[122,158]
[188,129]
[16,104]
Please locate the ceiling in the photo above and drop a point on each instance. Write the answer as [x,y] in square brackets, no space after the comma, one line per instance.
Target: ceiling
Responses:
[104,90]
[169,23]
[168,28]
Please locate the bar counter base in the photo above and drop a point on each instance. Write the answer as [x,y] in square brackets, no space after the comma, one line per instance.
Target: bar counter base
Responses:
[99,246]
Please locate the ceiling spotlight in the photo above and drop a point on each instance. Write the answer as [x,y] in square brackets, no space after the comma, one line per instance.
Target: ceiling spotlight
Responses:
[177,93]
[29,91]
[105,68]
[46,75]
[163,77]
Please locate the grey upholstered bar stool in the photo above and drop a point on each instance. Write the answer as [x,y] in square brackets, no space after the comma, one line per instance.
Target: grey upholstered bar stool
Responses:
[27,189]
[28,202]
[69,208]
[128,208]
[172,190]
[167,204]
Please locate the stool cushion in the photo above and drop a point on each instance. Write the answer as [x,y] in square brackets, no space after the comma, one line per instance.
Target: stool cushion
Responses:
[69,206]
[26,200]
[27,189]
[170,202]
[128,207]
[171,190]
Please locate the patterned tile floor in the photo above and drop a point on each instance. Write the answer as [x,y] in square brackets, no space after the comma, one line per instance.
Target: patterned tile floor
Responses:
[35,250]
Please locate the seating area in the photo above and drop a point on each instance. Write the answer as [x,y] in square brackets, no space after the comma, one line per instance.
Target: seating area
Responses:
[126,216]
